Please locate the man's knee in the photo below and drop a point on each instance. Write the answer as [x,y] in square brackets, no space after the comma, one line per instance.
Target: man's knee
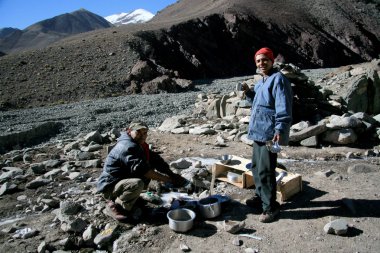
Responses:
[139,185]
[132,184]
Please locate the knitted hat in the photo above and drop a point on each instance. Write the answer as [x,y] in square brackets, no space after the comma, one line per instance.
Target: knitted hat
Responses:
[267,52]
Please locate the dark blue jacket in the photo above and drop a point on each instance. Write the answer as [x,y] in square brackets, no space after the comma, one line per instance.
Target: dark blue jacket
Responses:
[129,160]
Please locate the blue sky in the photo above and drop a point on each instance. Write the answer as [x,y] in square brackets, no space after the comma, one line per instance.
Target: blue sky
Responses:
[22,13]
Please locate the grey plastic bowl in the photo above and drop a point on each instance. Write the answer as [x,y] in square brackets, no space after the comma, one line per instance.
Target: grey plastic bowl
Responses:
[181,220]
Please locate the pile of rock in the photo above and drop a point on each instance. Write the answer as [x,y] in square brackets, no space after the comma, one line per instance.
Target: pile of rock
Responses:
[77,209]
[149,78]
[320,116]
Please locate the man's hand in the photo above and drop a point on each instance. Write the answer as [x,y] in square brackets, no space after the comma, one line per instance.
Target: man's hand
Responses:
[244,87]
[178,180]
[276,138]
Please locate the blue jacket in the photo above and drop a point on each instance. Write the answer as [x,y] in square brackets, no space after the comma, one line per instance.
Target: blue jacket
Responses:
[271,111]
[129,160]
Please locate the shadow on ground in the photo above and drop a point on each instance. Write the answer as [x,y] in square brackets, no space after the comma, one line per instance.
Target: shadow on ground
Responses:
[304,206]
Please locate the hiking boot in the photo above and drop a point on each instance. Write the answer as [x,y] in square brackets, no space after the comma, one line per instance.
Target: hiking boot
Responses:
[115,211]
[269,216]
[255,203]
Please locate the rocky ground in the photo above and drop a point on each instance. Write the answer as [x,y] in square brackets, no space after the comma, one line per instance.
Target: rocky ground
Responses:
[48,200]
[334,187]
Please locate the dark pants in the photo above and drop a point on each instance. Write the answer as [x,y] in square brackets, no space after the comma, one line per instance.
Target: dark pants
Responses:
[264,172]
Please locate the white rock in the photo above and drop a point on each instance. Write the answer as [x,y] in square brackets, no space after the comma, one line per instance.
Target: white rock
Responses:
[338,227]
[244,139]
[184,247]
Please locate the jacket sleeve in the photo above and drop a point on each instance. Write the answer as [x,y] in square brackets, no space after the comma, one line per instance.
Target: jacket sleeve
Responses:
[282,92]
[159,163]
[134,160]
[250,95]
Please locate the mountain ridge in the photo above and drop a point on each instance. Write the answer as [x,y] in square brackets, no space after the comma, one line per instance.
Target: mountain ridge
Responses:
[180,43]
[45,32]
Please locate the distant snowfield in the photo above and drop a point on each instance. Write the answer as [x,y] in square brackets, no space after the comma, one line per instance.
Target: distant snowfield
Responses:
[136,16]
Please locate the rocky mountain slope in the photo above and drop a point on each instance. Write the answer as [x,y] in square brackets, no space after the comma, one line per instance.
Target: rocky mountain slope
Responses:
[45,32]
[190,40]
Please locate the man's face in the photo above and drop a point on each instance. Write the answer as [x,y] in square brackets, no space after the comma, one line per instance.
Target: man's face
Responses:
[263,63]
[140,135]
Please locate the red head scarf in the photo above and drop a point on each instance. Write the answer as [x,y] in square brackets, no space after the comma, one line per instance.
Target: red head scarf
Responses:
[267,52]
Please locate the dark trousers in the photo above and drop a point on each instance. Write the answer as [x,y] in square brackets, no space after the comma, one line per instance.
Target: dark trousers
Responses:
[264,172]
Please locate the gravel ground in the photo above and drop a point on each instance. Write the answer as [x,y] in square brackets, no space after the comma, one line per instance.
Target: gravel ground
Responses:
[117,112]
[104,114]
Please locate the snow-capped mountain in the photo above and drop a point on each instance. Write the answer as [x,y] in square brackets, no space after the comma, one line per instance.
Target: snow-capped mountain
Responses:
[136,16]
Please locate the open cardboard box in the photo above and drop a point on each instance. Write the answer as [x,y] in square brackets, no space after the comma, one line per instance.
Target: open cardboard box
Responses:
[288,186]
[237,165]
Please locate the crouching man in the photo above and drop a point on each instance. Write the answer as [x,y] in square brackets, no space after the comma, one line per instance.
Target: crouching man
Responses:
[128,169]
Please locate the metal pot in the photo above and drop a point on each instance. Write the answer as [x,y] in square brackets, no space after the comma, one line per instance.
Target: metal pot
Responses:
[181,220]
[209,207]
[234,177]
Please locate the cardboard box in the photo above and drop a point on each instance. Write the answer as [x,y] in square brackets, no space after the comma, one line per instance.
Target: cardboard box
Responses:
[287,187]
[237,165]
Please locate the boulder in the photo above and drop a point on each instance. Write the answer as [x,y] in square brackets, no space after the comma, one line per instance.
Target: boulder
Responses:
[340,136]
[142,71]
[70,207]
[307,132]
[38,182]
[300,126]
[37,168]
[7,188]
[202,130]
[172,123]
[357,94]
[310,142]
[94,136]
[159,84]
[184,84]
[213,110]
[10,172]
[376,92]
[106,236]
[337,227]
[180,130]
[245,140]
[338,122]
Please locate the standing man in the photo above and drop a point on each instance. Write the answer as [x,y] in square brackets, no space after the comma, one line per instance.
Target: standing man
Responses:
[271,117]
[128,169]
